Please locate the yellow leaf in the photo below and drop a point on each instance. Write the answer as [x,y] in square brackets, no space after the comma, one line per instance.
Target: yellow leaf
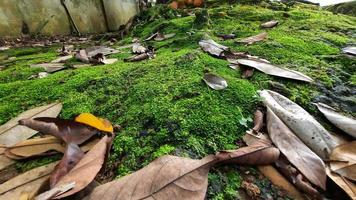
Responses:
[96,122]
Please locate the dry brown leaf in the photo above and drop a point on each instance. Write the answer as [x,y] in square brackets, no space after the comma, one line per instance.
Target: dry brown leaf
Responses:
[50,67]
[92,51]
[29,182]
[169,177]
[85,171]
[342,153]
[66,130]
[5,162]
[344,123]
[12,133]
[161,37]
[348,186]
[253,39]
[55,191]
[213,48]
[278,179]
[215,82]
[258,121]
[297,153]
[269,24]
[271,69]
[62,59]
[310,131]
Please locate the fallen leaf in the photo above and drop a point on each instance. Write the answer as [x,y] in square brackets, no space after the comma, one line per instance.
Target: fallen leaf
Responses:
[306,128]
[56,191]
[109,61]
[151,37]
[29,182]
[36,146]
[169,177]
[213,48]
[138,48]
[85,171]
[92,51]
[5,162]
[349,50]
[247,72]
[11,132]
[297,153]
[136,58]
[279,180]
[344,123]
[345,152]
[348,186]
[227,36]
[42,75]
[50,67]
[253,39]
[82,56]
[215,82]
[96,122]
[161,37]
[269,24]
[72,155]
[271,69]
[258,121]
[66,130]
[296,178]
[62,59]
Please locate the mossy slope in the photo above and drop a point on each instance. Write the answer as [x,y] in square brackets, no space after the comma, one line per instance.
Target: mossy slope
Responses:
[163,104]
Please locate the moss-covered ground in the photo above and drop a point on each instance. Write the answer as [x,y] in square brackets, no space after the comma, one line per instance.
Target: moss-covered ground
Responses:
[164,106]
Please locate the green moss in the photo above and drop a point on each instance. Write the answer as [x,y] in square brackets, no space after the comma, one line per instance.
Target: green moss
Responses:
[163,105]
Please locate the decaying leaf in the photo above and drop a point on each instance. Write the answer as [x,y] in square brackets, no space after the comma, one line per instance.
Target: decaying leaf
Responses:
[72,155]
[36,146]
[296,178]
[50,67]
[271,69]
[215,82]
[12,133]
[348,186]
[67,130]
[96,122]
[349,50]
[344,123]
[138,48]
[227,36]
[139,57]
[170,177]
[56,191]
[92,51]
[269,24]
[62,59]
[161,37]
[5,162]
[253,39]
[29,182]
[297,153]
[311,132]
[258,121]
[247,72]
[343,160]
[213,48]
[279,180]
[85,171]
[82,56]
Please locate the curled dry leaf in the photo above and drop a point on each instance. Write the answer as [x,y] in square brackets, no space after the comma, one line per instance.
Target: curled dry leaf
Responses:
[66,130]
[139,57]
[296,178]
[348,186]
[92,51]
[344,123]
[55,191]
[253,39]
[311,132]
[11,132]
[85,171]
[29,182]
[269,24]
[72,155]
[215,82]
[213,48]
[82,56]
[272,70]
[62,59]
[349,50]
[161,37]
[171,177]
[297,153]
[258,121]
[345,152]
[138,48]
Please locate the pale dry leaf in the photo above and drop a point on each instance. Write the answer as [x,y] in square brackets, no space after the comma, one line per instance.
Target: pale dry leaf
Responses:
[348,186]
[12,133]
[215,82]
[255,38]
[50,67]
[343,160]
[269,24]
[213,48]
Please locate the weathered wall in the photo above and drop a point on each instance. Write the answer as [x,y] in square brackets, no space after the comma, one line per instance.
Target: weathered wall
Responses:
[49,17]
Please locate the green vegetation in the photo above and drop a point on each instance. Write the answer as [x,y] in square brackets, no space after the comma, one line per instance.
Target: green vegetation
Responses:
[163,105]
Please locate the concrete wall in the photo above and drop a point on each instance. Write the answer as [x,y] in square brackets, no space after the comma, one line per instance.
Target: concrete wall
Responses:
[48,17]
